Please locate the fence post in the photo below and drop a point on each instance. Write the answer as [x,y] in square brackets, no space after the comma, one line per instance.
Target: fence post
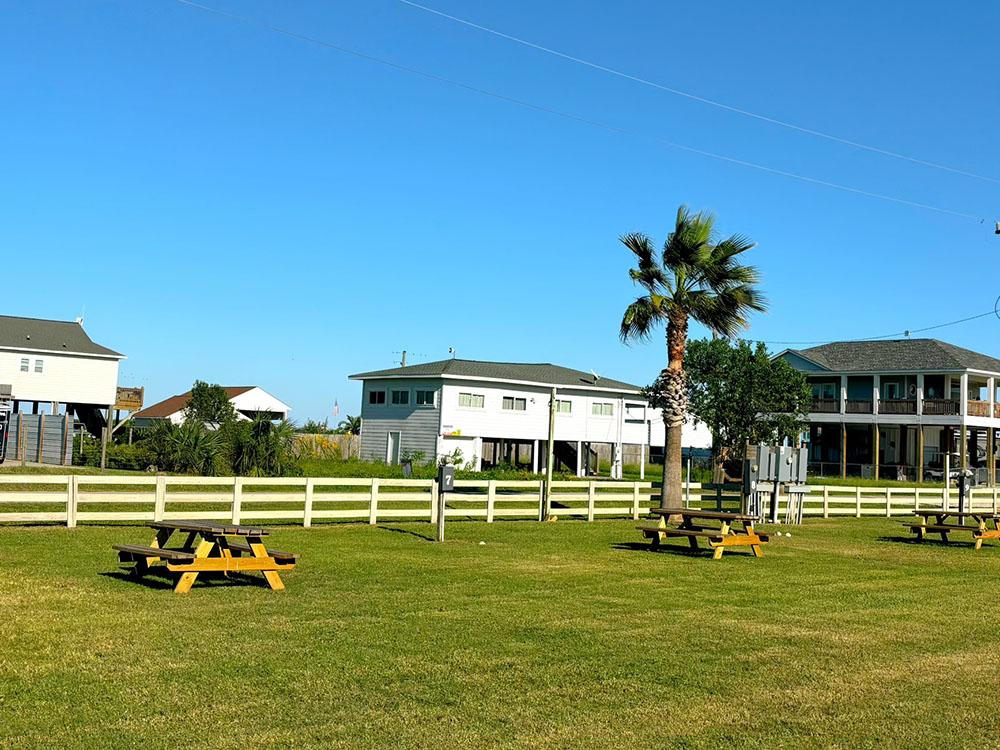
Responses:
[916,498]
[857,502]
[307,513]
[543,512]
[434,503]
[826,501]
[994,499]
[491,499]
[888,502]
[635,501]
[946,495]
[159,497]
[71,501]
[373,503]
[237,498]
[590,501]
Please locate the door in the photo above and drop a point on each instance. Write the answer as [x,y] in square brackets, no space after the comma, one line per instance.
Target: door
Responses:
[392,449]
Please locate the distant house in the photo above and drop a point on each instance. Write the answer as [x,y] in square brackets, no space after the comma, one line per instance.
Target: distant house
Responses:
[895,408]
[498,413]
[248,400]
[53,365]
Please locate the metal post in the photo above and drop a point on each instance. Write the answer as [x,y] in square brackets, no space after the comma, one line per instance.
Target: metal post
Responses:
[550,456]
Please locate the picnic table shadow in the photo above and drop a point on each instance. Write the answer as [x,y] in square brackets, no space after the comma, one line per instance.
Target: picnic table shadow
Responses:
[928,541]
[162,580]
[673,549]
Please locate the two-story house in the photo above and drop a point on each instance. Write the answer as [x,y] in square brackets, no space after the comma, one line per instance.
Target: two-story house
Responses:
[54,364]
[498,413]
[893,409]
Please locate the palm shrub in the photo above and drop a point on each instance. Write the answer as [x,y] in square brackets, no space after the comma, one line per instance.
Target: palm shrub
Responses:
[694,276]
[260,447]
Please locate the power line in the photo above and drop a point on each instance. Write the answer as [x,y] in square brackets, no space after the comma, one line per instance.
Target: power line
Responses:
[570,116]
[905,334]
[701,99]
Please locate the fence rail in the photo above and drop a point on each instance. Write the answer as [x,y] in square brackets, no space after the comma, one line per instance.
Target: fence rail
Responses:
[75,499]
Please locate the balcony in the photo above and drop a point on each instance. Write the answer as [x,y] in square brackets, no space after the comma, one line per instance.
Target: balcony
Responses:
[825,406]
[858,406]
[941,407]
[897,406]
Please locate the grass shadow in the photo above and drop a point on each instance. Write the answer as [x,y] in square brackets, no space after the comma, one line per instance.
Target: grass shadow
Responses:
[932,541]
[674,549]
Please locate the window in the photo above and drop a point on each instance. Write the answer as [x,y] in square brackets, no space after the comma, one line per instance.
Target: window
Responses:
[425,398]
[24,365]
[510,403]
[38,365]
[376,397]
[602,409]
[400,398]
[472,400]
[564,407]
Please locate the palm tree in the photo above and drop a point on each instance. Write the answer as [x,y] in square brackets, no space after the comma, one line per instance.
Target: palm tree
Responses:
[695,277]
[349,426]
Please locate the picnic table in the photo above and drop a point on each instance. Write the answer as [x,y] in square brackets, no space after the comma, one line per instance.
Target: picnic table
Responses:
[986,524]
[210,547]
[720,529]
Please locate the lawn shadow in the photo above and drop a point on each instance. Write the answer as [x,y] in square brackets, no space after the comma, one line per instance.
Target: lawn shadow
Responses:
[932,541]
[163,581]
[397,530]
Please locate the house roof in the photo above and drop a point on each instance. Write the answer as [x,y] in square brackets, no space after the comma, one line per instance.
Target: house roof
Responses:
[49,335]
[896,355]
[541,373]
[174,404]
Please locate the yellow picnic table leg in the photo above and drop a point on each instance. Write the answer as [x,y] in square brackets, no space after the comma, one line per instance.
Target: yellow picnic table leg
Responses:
[271,576]
[756,548]
[186,581]
[720,548]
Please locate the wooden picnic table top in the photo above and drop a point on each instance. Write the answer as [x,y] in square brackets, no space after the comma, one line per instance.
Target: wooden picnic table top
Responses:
[706,514]
[211,527]
[982,513]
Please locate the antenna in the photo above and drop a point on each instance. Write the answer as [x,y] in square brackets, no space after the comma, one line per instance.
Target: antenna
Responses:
[998,228]
[596,376]
[452,352]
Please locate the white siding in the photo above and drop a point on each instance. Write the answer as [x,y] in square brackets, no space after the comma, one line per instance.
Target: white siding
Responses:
[257,399]
[64,378]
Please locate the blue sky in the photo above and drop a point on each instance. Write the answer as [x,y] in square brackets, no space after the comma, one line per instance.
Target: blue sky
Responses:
[226,203]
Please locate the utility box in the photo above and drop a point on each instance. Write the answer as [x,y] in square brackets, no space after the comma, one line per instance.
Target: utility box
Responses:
[446,478]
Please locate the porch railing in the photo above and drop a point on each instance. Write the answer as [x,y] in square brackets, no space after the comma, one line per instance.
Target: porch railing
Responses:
[941,407]
[979,408]
[897,406]
[825,406]
[858,406]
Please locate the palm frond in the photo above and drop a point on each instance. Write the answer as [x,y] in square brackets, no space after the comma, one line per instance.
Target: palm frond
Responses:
[640,318]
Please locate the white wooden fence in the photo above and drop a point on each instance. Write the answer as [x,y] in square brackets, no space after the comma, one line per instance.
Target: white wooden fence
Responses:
[73,499]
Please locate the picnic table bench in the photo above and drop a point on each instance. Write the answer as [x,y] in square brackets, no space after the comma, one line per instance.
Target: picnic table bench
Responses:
[720,529]
[986,524]
[209,547]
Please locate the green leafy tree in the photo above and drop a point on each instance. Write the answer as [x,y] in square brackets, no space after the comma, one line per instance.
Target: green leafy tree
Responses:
[187,448]
[209,405]
[694,276]
[349,426]
[744,397]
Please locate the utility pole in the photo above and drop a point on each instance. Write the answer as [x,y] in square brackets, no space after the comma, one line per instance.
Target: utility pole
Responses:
[550,456]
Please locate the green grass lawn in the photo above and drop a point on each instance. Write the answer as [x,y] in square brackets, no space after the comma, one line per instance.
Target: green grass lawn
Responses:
[559,635]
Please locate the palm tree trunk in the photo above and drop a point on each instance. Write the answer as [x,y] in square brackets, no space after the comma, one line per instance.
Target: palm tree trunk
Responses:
[673,416]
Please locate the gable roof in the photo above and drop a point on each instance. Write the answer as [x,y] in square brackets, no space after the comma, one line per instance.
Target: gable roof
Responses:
[539,373]
[896,355]
[49,335]
[174,404]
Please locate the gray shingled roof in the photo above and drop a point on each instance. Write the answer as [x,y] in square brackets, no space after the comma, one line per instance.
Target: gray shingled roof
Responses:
[901,354]
[48,335]
[532,373]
